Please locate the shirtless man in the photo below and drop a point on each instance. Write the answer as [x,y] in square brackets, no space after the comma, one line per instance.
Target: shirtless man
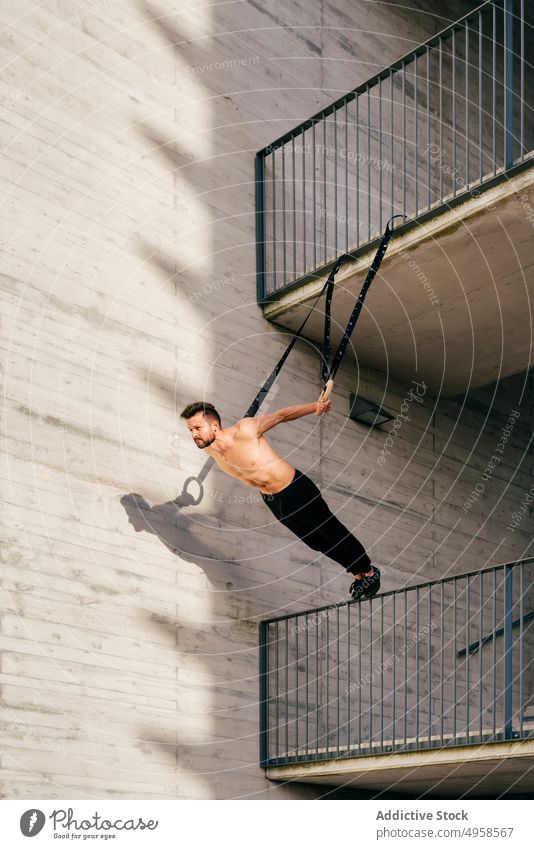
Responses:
[242,451]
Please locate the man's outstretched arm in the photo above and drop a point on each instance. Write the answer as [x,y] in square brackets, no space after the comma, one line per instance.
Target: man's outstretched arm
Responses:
[261,424]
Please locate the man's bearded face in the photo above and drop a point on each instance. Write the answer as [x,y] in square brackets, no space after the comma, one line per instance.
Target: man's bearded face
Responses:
[202,429]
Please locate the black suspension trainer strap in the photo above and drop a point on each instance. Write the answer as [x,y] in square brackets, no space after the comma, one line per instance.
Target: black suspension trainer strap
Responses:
[260,397]
[330,373]
[327,315]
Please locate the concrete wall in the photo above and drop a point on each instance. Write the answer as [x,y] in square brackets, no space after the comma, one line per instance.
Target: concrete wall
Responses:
[129,624]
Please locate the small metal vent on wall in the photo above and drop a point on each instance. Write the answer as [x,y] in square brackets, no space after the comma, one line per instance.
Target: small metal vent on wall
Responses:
[367,412]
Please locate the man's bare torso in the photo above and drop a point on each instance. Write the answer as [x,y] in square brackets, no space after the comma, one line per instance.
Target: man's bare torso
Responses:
[251,459]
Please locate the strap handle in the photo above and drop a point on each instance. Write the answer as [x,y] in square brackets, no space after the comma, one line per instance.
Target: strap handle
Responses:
[325,394]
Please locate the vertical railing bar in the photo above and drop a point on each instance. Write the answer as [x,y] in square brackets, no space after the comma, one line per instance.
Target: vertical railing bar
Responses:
[264,693]
[349,691]
[284,246]
[430,690]
[441,153]
[494,652]
[392,148]
[521,644]
[336,222]
[327,725]
[346,179]
[294,178]
[380,154]
[277,683]
[338,660]
[508,82]
[480,99]
[369,163]
[405,646]
[404,137]
[417,690]
[325,216]
[453,58]
[370,711]
[360,677]
[307,720]
[481,653]
[416,132]
[317,708]
[358,169]
[274,217]
[467,656]
[508,670]
[522,81]
[381,673]
[429,198]
[393,673]
[287,686]
[467,104]
[314,199]
[442,665]
[455,673]
[297,713]
[261,245]
[303,204]
[494,90]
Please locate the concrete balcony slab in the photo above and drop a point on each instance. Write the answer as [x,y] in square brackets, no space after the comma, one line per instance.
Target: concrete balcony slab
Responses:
[471,771]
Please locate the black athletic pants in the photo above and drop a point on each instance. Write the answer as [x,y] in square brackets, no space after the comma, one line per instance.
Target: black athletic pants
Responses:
[301,508]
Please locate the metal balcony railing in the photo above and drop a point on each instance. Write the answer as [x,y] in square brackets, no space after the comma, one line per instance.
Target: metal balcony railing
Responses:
[442,122]
[445,663]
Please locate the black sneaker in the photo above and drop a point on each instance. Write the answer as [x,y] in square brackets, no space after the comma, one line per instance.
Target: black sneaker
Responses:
[356,590]
[370,584]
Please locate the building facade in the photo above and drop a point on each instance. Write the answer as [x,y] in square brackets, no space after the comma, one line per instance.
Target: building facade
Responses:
[130,610]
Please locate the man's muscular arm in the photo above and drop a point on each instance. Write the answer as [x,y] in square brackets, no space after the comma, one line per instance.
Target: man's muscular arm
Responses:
[257,426]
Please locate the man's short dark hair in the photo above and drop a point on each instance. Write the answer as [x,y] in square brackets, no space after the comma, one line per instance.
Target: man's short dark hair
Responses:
[200,407]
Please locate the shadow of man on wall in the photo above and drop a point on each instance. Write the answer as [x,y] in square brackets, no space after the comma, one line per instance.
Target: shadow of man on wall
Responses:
[207,541]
